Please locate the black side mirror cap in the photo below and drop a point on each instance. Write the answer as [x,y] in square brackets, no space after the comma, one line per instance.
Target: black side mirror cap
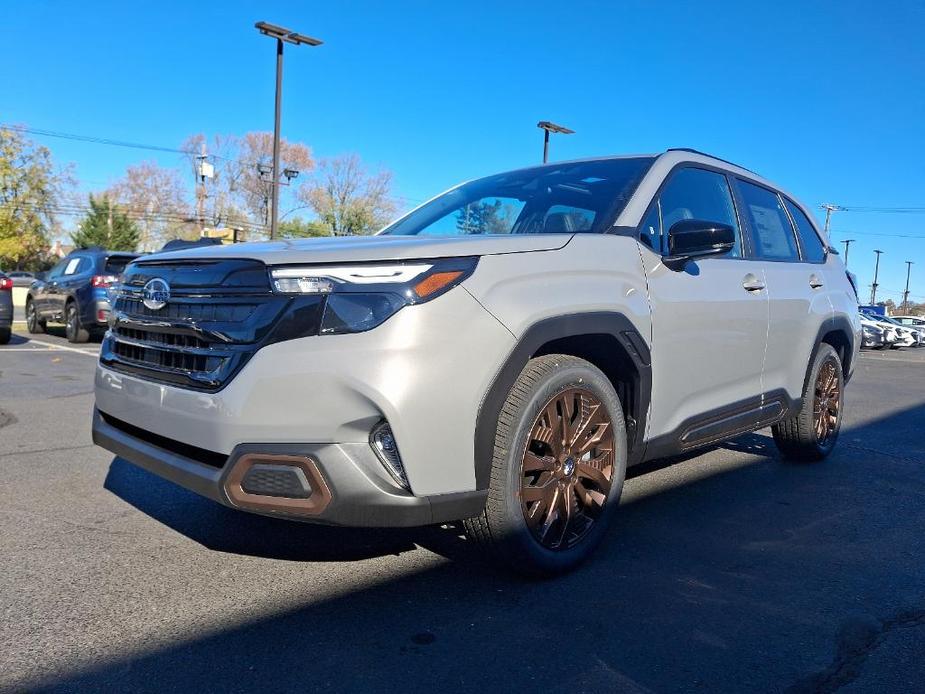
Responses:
[696,238]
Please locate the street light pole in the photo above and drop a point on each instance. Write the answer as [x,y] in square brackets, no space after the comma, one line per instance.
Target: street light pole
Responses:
[909,265]
[873,287]
[847,242]
[281,35]
[547,128]
[274,209]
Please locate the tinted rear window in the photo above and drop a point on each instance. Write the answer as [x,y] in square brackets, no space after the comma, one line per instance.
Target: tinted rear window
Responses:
[115,264]
[813,250]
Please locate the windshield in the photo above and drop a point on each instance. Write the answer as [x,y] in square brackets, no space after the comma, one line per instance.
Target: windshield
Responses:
[572,197]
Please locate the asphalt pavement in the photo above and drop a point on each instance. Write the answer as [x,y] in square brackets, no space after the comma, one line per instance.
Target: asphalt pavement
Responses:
[728,571]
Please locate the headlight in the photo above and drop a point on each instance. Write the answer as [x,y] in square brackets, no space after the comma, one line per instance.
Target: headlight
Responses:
[360,297]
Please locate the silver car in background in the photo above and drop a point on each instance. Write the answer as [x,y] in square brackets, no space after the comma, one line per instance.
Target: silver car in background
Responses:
[874,335]
[905,335]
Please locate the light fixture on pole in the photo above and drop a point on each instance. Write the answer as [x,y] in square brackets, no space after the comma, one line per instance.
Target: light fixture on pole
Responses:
[547,128]
[282,35]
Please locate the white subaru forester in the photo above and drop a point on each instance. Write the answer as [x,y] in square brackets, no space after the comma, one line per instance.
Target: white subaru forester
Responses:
[499,355]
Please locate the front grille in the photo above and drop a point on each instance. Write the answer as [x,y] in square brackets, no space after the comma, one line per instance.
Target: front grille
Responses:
[165,359]
[159,338]
[218,314]
[225,313]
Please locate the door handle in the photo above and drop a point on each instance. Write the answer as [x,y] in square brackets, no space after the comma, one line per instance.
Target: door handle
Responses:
[752,283]
[815,282]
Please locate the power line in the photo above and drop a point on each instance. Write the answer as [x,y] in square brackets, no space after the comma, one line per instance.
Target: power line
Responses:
[91,139]
[873,233]
[154,148]
[133,213]
[886,210]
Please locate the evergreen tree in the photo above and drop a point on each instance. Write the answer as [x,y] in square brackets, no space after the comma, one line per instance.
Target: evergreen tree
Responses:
[106,226]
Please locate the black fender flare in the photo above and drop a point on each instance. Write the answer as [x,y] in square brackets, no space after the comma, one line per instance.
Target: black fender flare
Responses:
[544,331]
[839,324]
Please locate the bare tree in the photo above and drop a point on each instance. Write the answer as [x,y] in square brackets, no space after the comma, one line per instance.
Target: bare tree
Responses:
[239,193]
[349,200]
[157,199]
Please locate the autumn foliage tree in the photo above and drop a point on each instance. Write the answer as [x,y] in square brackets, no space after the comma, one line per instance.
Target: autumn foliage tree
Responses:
[30,190]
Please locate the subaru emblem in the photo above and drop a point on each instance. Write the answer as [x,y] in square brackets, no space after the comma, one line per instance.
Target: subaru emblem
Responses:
[155,294]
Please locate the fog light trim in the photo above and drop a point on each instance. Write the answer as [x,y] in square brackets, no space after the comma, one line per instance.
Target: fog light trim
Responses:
[382,441]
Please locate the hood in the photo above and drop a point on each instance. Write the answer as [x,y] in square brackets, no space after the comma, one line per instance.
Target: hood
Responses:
[366,248]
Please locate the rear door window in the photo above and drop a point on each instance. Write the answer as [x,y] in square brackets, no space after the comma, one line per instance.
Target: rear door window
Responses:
[771,233]
[813,250]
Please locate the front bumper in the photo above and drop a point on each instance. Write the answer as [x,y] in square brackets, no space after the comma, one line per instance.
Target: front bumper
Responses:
[321,396]
[343,492]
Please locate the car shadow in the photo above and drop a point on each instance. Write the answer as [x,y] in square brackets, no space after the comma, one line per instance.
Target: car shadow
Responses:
[59,331]
[745,577]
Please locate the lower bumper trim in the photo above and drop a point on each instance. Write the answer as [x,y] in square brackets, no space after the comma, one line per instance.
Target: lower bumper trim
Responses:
[352,497]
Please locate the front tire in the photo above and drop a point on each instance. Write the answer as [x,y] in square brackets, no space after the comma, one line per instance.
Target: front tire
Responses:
[811,435]
[34,324]
[73,330]
[558,468]
[5,334]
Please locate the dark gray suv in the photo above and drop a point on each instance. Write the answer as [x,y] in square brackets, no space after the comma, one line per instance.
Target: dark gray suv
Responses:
[6,308]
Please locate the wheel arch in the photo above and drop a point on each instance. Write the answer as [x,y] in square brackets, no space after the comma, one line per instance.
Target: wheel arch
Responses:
[838,334]
[609,340]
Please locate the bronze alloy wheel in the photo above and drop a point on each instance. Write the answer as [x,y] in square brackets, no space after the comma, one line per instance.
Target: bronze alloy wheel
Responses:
[567,468]
[826,402]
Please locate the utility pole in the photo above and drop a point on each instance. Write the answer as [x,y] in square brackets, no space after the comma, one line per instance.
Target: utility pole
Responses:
[873,287]
[847,242]
[280,34]
[547,128]
[204,170]
[909,265]
[829,209]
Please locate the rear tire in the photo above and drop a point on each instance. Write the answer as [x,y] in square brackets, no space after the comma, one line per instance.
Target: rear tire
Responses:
[811,435]
[72,328]
[34,324]
[5,334]
[557,470]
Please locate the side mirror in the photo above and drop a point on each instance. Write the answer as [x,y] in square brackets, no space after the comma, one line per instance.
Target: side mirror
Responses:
[695,238]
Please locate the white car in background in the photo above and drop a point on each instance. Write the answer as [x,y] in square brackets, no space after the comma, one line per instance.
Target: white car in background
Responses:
[876,335]
[905,336]
[915,322]
[918,333]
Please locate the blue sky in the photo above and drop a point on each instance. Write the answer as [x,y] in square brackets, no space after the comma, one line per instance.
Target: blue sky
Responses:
[827,99]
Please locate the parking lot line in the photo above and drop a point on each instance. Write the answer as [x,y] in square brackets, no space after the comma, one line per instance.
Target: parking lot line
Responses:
[55,347]
[28,349]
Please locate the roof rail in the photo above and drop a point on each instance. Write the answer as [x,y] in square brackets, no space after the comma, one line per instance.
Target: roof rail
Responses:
[697,151]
